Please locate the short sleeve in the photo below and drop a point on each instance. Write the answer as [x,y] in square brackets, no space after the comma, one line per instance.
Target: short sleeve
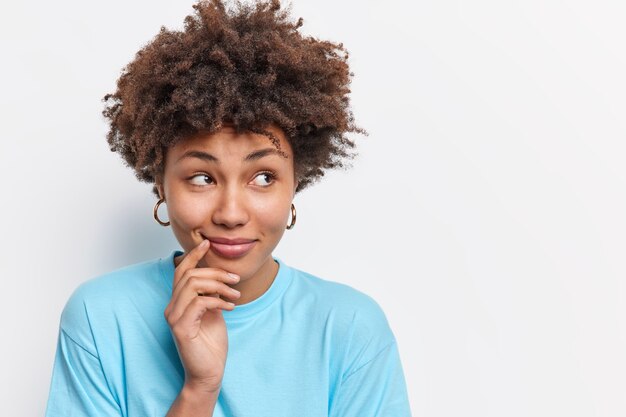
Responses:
[376,389]
[78,386]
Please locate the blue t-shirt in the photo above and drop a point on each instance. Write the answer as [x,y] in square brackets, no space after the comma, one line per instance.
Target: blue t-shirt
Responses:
[307,347]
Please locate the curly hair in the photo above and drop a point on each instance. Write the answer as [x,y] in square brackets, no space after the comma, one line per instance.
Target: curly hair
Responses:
[249,67]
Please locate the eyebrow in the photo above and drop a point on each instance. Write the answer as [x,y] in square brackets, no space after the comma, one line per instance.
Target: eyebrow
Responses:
[252,156]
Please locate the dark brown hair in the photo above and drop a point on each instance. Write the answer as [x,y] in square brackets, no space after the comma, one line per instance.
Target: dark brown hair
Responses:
[248,66]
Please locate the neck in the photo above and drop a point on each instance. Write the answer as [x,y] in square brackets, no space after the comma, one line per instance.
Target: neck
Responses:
[256,285]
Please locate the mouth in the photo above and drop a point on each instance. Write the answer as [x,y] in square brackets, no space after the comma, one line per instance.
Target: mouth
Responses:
[230,248]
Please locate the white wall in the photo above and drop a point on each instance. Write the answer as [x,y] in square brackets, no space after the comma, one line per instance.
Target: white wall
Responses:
[485,213]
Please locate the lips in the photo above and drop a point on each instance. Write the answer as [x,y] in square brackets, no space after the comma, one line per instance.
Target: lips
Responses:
[231,248]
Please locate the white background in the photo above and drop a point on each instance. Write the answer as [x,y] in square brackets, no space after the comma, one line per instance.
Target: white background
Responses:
[485,212]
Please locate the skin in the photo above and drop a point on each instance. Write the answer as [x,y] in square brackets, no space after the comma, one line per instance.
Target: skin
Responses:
[230,196]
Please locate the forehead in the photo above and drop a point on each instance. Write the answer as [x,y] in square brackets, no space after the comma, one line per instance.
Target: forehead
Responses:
[228,142]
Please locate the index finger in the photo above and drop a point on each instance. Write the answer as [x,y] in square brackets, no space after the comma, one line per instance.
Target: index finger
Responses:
[191,260]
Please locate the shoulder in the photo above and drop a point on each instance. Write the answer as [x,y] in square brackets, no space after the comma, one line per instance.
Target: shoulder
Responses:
[130,276]
[102,297]
[116,285]
[337,294]
[351,310]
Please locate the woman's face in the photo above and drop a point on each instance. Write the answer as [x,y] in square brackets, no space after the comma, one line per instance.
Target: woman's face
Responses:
[234,189]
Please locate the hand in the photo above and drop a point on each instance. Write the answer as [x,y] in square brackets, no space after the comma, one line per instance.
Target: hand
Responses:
[194,315]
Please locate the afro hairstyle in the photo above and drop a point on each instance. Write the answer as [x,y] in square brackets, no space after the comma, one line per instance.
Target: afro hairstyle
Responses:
[248,66]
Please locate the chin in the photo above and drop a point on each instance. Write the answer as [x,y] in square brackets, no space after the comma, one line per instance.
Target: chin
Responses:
[242,266]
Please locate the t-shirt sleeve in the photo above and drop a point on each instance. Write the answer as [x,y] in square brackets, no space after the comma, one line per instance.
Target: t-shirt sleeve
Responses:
[78,387]
[376,389]
[371,382]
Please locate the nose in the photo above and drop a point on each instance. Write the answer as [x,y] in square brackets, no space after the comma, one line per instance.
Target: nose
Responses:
[230,208]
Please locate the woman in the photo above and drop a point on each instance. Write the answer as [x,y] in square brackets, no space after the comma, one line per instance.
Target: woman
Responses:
[229,119]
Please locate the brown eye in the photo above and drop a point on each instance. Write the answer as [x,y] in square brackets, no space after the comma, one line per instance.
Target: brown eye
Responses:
[206,179]
[263,179]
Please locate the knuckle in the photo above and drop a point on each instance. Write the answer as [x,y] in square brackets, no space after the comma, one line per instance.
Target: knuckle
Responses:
[224,289]
[208,302]
[197,302]
[193,281]
[170,320]
[177,332]
[213,285]
[205,285]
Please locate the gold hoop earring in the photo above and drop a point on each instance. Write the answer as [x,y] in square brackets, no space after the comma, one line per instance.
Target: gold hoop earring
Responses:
[156,214]
[293,217]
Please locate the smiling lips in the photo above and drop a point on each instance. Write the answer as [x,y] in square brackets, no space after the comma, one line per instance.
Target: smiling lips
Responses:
[231,248]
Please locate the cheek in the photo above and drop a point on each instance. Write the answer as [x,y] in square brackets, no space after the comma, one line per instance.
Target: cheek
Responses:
[272,214]
[188,213]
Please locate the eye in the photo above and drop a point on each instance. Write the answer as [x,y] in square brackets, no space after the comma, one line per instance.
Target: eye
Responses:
[206,180]
[263,179]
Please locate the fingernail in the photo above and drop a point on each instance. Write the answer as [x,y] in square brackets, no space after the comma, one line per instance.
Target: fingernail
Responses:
[235,277]
[204,243]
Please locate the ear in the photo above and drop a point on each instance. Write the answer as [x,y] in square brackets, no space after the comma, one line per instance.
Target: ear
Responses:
[160,189]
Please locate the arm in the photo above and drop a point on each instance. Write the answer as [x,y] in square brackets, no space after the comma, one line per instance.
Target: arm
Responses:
[194,403]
